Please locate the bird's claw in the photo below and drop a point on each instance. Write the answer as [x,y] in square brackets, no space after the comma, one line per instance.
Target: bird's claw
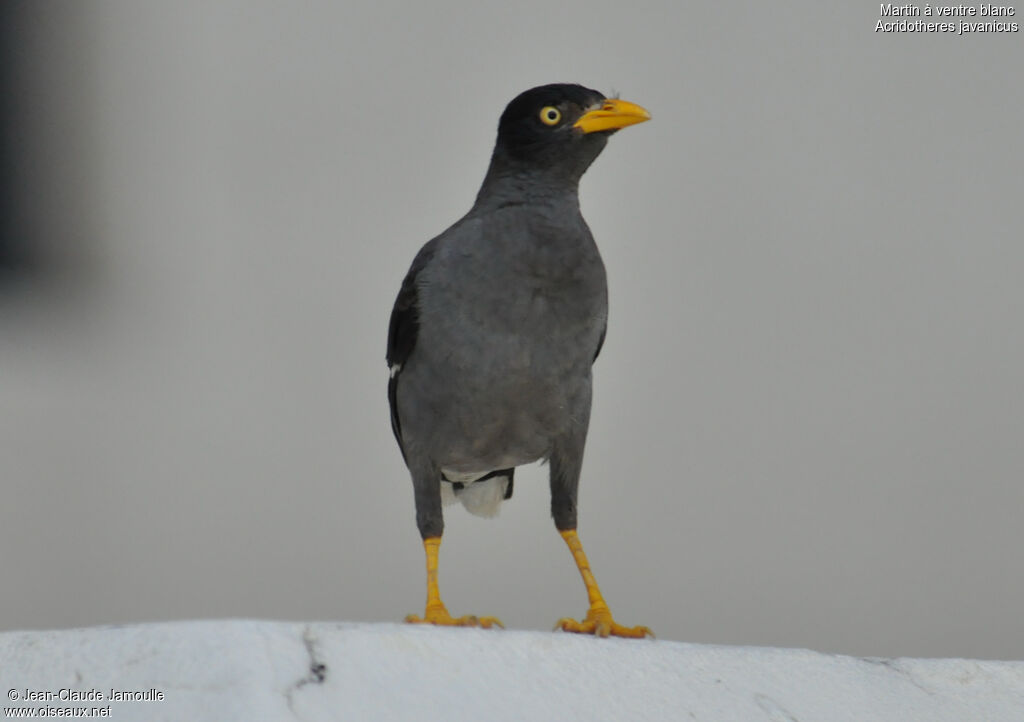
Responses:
[599,622]
[442,618]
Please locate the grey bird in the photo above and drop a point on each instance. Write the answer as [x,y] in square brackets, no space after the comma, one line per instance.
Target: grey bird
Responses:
[495,329]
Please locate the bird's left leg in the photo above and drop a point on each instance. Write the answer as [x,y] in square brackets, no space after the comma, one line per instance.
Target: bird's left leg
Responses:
[565,471]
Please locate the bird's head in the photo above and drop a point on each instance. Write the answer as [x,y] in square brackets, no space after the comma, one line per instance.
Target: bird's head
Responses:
[561,127]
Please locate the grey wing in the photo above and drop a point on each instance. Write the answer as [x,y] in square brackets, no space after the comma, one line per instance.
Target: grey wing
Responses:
[403,331]
[600,341]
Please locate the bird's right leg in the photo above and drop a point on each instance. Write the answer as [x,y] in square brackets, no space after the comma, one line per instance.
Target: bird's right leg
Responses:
[430,521]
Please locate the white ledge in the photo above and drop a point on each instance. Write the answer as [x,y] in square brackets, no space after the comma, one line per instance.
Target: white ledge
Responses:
[253,670]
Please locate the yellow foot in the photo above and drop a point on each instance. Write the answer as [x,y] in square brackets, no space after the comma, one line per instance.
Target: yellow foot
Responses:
[442,618]
[599,622]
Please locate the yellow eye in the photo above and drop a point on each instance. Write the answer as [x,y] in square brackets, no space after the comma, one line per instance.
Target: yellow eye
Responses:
[550,115]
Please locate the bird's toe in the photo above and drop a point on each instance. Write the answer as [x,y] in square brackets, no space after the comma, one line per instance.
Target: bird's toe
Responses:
[600,623]
[441,618]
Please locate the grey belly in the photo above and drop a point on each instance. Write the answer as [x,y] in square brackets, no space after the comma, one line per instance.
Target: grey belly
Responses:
[496,431]
[495,391]
[481,422]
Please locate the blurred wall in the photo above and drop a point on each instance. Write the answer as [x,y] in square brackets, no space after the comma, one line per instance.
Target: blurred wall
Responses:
[809,409]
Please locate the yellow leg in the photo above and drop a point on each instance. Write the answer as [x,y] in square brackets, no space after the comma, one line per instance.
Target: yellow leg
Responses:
[599,618]
[436,613]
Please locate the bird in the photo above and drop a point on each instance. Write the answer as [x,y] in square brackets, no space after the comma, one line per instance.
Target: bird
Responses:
[495,330]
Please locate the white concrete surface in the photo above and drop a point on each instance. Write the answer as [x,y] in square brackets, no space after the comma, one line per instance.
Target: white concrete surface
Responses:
[255,670]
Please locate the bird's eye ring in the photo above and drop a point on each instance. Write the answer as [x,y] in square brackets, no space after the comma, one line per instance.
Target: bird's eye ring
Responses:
[550,115]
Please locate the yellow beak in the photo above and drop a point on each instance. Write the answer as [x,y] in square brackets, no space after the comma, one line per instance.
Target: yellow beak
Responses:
[612,115]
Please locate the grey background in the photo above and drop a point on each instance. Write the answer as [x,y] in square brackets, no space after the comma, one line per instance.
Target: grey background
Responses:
[809,409]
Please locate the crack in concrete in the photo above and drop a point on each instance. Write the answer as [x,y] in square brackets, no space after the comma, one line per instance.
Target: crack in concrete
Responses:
[776,712]
[894,666]
[317,668]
